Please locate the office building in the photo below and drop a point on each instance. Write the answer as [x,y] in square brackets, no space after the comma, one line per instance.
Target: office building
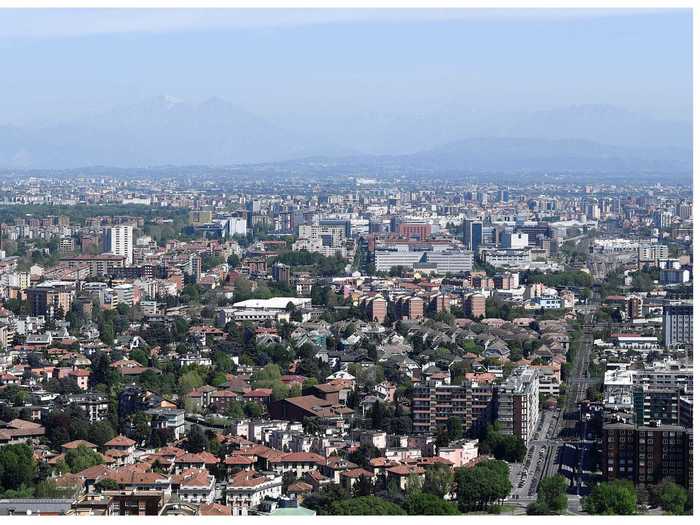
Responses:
[514,241]
[414,230]
[472,233]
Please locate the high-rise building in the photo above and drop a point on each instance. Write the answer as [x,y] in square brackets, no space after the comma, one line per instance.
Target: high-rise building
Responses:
[406,307]
[472,232]
[49,299]
[514,241]
[195,267]
[236,226]
[376,308]
[119,240]
[518,402]
[656,405]
[634,306]
[475,306]
[435,402]
[281,272]
[414,230]
[646,455]
[678,324]
[198,217]
[684,211]
[652,253]
[662,219]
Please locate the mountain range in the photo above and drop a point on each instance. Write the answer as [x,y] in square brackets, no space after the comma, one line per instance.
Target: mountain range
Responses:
[168,131]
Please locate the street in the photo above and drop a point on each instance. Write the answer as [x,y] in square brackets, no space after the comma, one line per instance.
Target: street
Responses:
[556,448]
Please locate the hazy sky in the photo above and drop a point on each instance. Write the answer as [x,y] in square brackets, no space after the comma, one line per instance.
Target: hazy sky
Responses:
[63,64]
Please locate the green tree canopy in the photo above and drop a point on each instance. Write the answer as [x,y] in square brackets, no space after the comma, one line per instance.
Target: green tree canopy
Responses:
[80,458]
[438,480]
[670,496]
[479,487]
[551,496]
[365,506]
[612,498]
[422,504]
[17,466]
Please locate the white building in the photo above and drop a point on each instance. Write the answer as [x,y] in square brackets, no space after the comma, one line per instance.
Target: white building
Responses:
[247,489]
[514,241]
[119,240]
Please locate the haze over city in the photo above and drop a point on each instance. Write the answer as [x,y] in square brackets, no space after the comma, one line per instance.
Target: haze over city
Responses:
[227,87]
[346,263]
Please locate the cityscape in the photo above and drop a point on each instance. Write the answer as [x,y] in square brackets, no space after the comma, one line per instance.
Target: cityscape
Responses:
[501,326]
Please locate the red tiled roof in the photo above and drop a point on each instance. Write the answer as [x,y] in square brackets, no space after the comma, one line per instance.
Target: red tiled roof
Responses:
[356,473]
[78,443]
[201,457]
[237,459]
[120,441]
[247,478]
[214,509]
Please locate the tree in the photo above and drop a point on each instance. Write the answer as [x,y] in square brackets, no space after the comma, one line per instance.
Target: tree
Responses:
[538,508]
[670,497]
[80,458]
[107,333]
[234,410]
[365,506]
[482,485]
[17,466]
[454,428]
[503,446]
[140,356]
[288,478]
[377,414]
[322,501]
[363,454]
[142,427]
[267,376]
[101,432]
[438,480]
[106,484]
[189,381]
[551,496]
[49,489]
[196,439]
[612,498]
[422,504]
[363,487]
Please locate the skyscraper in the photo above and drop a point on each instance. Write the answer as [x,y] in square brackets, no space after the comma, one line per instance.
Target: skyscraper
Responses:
[678,324]
[472,233]
[119,240]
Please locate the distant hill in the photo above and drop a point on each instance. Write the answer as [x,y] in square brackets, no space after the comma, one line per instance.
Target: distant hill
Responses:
[157,131]
[166,131]
[517,154]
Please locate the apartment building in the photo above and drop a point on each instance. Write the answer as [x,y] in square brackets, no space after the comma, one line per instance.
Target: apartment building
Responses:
[518,402]
[647,454]
[435,402]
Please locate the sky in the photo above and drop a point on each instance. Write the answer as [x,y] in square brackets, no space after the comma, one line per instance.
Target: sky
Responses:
[321,65]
